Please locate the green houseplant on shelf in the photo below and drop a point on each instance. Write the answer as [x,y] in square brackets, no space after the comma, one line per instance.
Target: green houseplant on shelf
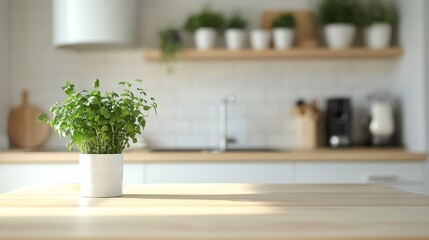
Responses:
[101,127]
[235,36]
[170,45]
[204,26]
[339,19]
[380,17]
[283,31]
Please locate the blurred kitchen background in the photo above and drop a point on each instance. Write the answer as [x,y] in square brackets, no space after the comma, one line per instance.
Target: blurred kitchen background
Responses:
[266,89]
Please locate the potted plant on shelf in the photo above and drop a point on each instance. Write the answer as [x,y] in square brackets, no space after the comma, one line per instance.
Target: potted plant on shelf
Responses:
[171,43]
[235,35]
[100,126]
[204,27]
[260,39]
[379,20]
[283,31]
[340,19]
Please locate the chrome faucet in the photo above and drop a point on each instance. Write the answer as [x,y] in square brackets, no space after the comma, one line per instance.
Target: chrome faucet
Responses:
[223,139]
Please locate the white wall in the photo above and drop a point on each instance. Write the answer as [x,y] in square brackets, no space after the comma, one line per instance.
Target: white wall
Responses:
[4,64]
[188,99]
[426,31]
[410,73]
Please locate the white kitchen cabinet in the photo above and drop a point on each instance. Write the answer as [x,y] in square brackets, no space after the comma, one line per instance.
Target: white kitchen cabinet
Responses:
[406,175]
[14,176]
[249,172]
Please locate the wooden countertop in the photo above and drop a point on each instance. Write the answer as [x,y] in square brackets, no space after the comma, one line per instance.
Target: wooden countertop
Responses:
[217,211]
[346,154]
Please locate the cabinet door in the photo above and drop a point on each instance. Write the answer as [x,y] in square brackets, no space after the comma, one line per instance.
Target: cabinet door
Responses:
[405,174]
[219,173]
[14,176]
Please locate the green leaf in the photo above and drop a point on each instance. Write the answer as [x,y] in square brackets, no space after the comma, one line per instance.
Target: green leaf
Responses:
[69,145]
[53,108]
[125,83]
[68,88]
[96,83]
[130,127]
[93,100]
[78,137]
[143,123]
[42,118]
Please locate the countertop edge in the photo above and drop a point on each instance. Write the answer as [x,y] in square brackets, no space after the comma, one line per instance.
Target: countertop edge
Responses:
[354,154]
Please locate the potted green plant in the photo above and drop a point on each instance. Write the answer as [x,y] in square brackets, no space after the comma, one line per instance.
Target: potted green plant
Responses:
[379,20]
[235,36]
[283,31]
[100,127]
[171,43]
[260,39]
[339,19]
[204,26]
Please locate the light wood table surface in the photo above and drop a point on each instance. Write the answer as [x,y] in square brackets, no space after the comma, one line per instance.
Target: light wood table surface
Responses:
[217,211]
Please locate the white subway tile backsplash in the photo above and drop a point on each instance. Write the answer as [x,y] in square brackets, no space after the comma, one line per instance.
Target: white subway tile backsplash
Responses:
[269,110]
[211,127]
[175,126]
[191,141]
[189,97]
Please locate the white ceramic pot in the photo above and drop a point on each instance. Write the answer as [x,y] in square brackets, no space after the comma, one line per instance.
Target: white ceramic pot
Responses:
[283,38]
[205,38]
[101,175]
[260,39]
[339,35]
[378,35]
[235,39]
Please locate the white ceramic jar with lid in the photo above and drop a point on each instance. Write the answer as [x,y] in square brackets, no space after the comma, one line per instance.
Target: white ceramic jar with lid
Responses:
[382,124]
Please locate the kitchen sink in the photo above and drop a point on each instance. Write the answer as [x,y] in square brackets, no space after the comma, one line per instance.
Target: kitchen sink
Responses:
[215,150]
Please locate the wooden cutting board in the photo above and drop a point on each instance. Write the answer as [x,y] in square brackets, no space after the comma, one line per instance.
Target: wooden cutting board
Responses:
[23,128]
[305,26]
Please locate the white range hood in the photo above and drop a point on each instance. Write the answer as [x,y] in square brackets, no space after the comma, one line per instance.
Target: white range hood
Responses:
[94,22]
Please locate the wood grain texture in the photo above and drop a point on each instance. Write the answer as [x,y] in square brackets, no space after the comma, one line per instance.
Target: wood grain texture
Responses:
[217,211]
[346,154]
[294,53]
[23,128]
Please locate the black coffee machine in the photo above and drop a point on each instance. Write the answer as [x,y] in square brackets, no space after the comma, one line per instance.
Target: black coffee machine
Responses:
[339,122]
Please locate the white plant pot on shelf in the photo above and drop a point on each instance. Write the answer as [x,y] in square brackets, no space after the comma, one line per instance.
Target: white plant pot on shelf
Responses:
[283,38]
[101,175]
[260,39]
[205,38]
[339,35]
[235,39]
[378,35]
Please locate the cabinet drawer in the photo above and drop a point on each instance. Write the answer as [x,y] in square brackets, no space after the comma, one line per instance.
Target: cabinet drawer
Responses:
[358,172]
[219,173]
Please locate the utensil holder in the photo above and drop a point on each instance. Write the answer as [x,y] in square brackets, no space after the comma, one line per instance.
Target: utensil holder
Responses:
[307,131]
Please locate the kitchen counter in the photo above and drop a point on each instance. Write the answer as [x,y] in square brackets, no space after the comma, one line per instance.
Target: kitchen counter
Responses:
[323,154]
[217,211]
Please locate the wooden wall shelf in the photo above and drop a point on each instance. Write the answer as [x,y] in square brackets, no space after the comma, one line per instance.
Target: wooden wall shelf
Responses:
[297,53]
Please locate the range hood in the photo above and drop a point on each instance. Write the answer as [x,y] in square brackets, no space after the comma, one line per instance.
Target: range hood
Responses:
[94,23]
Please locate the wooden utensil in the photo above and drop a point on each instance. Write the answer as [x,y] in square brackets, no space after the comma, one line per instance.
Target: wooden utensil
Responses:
[23,128]
[305,27]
